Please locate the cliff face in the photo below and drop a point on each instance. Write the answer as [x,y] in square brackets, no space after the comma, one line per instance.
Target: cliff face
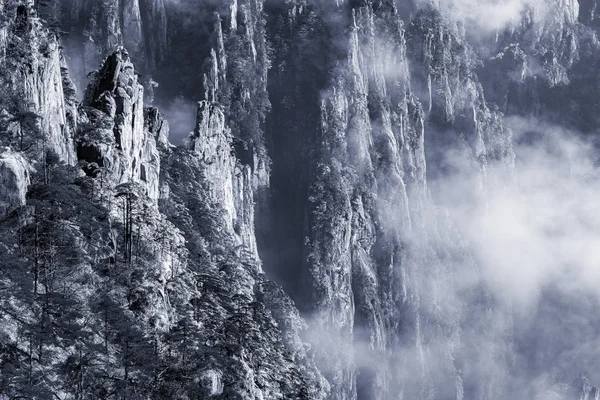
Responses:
[124,147]
[380,260]
[14,171]
[374,239]
[324,133]
[34,74]
[39,77]
[161,242]
[542,67]
[97,28]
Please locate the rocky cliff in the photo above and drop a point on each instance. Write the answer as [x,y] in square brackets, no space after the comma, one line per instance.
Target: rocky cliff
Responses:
[124,147]
[307,239]
[159,240]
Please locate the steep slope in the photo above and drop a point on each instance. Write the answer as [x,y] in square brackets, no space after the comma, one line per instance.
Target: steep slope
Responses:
[386,276]
[98,27]
[542,68]
[37,76]
[123,148]
[133,268]
[374,242]
[128,280]
[38,103]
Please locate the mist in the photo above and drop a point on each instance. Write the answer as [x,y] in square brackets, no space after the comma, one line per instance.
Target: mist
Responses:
[181,114]
[487,15]
[541,224]
[531,241]
[535,235]
[528,236]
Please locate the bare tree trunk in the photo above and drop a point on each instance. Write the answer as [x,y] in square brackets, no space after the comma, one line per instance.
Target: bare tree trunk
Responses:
[30,357]
[137,249]
[106,331]
[81,372]
[21,136]
[36,265]
[46,178]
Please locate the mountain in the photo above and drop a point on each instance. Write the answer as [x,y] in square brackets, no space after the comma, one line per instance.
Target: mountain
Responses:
[298,199]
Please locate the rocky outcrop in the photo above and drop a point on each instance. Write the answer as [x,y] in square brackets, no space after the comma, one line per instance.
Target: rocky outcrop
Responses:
[169,232]
[547,56]
[228,137]
[42,84]
[229,180]
[581,388]
[113,134]
[444,69]
[157,126]
[14,180]
[98,28]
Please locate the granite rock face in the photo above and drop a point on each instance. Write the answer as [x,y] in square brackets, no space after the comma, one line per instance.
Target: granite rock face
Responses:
[369,195]
[125,147]
[395,98]
[99,27]
[14,172]
[229,180]
[41,82]
[177,225]
[322,133]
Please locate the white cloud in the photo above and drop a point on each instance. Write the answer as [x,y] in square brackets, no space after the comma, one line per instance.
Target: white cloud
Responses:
[542,227]
[494,15]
